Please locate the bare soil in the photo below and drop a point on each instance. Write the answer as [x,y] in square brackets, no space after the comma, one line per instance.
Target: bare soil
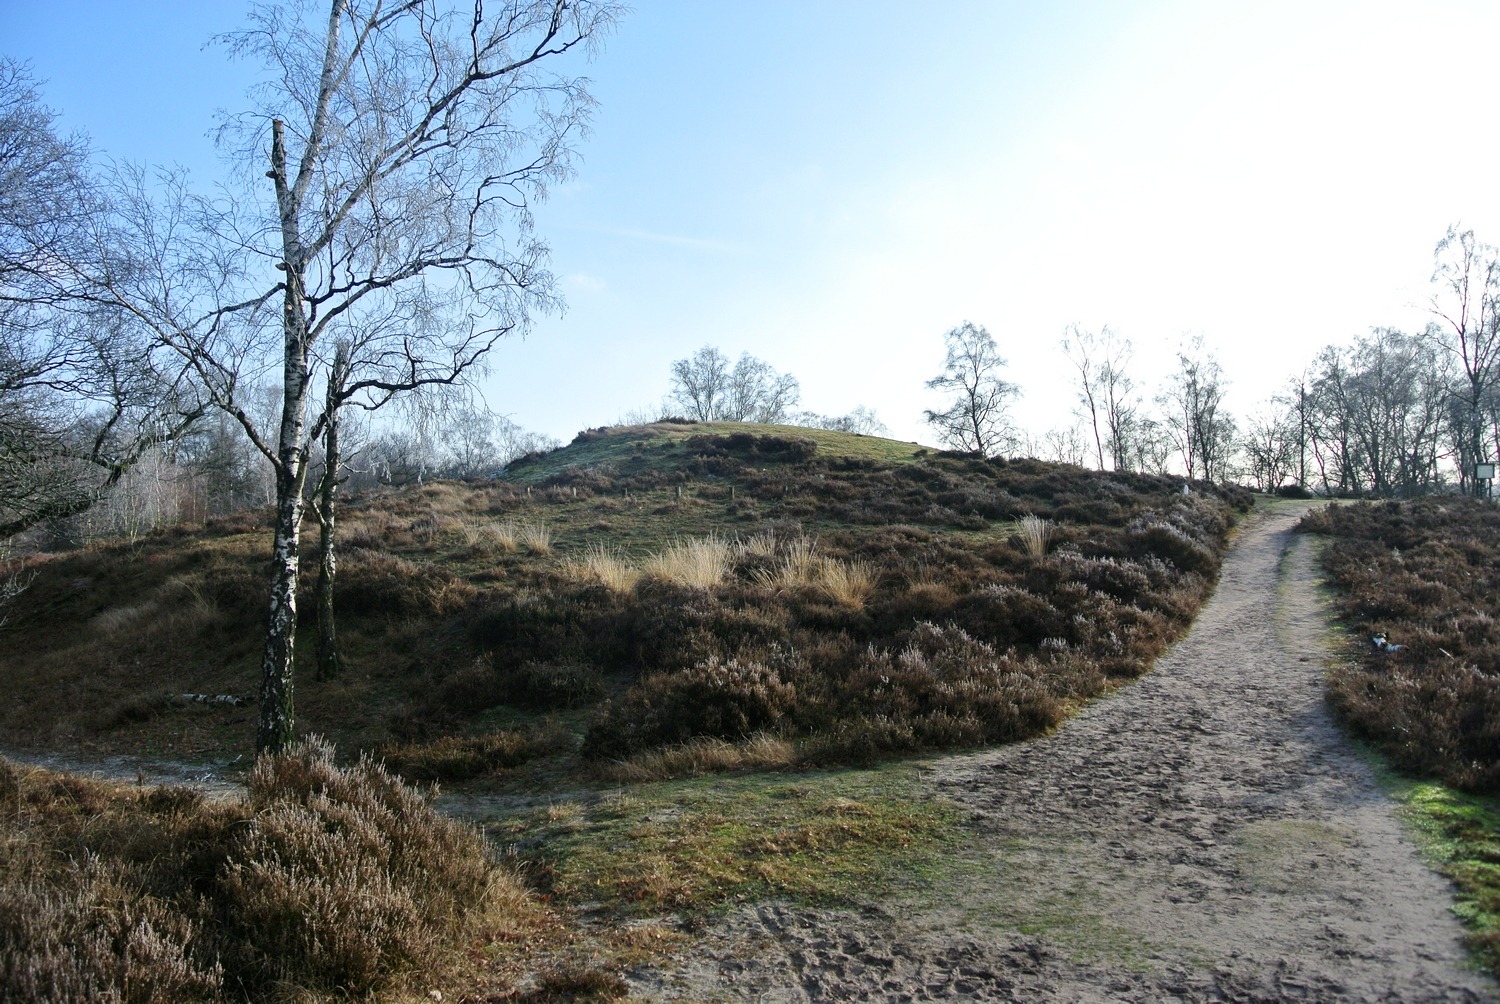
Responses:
[1207,834]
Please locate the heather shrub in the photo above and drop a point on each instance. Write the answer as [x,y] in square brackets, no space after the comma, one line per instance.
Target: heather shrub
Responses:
[1426,574]
[1172,540]
[552,686]
[323,881]
[377,584]
[1008,615]
[673,627]
[83,929]
[346,878]
[727,699]
[949,688]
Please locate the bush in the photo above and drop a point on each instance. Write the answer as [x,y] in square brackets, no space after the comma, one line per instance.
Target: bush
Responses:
[552,686]
[327,881]
[1426,574]
[729,700]
[346,878]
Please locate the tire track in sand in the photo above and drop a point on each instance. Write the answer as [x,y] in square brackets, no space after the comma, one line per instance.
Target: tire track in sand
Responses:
[1206,834]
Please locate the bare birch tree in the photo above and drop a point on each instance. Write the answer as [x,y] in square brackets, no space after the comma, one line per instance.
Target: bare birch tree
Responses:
[978,414]
[711,390]
[391,161]
[1193,407]
[84,395]
[1105,391]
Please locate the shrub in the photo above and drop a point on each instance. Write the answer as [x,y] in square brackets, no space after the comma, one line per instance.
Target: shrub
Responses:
[373,584]
[729,699]
[346,878]
[1423,573]
[321,881]
[550,686]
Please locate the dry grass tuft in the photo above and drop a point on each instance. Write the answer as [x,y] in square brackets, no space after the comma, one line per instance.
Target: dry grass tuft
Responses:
[761,545]
[704,755]
[535,537]
[1036,534]
[607,566]
[848,582]
[486,539]
[802,567]
[697,562]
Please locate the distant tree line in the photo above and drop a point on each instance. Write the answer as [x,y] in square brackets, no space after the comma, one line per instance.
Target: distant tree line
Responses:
[1392,414]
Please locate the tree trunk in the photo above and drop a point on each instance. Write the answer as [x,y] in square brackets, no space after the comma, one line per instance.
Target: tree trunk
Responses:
[329,664]
[275,732]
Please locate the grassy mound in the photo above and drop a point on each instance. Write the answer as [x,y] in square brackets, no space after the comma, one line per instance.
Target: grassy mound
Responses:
[642,589]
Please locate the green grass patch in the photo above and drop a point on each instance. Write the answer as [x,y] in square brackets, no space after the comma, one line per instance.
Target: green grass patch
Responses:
[632,448]
[1461,836]
[695,846]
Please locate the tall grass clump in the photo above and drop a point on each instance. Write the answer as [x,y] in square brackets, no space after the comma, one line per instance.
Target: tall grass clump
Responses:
[698,562]
[606,566]
[535,537]
[800,566]
[1036,534]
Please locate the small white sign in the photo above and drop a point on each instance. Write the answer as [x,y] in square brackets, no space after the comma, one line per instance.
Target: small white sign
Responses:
[1484,472]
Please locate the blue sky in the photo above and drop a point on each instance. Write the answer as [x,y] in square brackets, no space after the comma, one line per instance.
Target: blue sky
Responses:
[832,185]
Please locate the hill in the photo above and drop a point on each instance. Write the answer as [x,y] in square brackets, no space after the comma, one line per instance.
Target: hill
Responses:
[799,595]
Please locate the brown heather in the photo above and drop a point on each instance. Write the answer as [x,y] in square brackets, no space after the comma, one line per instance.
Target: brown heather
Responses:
[1426,574]
[323,881]
[884,599]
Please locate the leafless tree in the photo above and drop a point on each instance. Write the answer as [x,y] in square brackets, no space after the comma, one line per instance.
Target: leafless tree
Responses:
[862,421]
[1466,301]
[1105,391]
[711,390]
[977,418]
[1268,446]
[404,145]
[1193,407]
[83,394]
[1376,414]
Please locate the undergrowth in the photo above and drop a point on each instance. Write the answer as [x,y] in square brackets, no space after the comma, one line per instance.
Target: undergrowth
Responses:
[695,847]
[1462,837]
[1422,576]
[320,882]
[1425,576]
[850,596]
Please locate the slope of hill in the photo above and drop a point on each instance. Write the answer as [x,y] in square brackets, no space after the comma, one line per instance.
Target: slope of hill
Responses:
[819,596]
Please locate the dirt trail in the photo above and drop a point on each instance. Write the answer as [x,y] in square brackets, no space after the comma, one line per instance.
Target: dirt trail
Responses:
[1205,834]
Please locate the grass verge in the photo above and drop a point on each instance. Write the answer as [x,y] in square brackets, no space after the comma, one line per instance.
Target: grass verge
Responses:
[1460,835]
[697,846]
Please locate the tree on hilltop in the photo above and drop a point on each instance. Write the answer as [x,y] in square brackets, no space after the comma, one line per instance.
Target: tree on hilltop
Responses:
[977,418]
[709,389]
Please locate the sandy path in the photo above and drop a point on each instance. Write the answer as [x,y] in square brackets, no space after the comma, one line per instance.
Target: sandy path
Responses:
[1206,834]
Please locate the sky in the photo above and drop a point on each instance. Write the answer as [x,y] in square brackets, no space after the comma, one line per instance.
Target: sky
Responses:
[831,185]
